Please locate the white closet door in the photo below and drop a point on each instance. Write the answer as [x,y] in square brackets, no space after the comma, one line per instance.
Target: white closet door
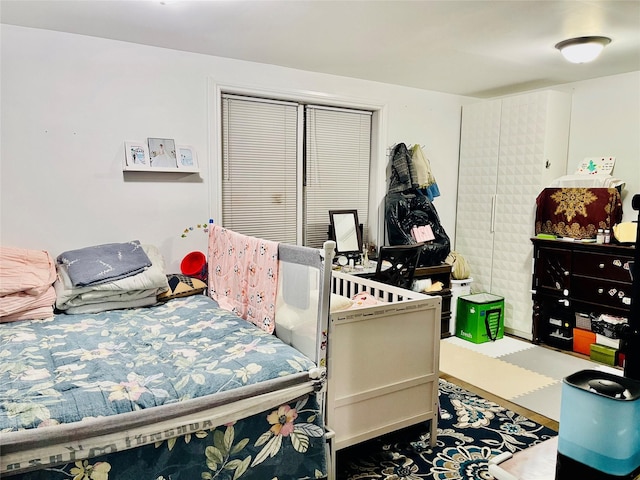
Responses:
[534,136]
[522,140]
[478,170]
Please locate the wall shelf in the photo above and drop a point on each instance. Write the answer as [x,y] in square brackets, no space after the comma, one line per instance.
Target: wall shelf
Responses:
[127,168]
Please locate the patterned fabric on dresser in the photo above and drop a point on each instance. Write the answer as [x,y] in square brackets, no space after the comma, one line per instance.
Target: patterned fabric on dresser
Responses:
[577,212]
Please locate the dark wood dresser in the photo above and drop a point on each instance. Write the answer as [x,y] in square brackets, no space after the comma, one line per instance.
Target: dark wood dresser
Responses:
[576,279]
[439,273]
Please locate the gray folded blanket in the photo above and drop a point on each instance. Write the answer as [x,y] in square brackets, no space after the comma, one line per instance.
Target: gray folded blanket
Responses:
[104,263]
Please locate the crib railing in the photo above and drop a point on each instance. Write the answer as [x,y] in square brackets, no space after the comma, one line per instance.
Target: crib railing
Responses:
[348,285]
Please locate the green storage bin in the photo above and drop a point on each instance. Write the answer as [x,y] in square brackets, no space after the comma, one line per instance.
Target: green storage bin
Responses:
[480,317]
[603,354]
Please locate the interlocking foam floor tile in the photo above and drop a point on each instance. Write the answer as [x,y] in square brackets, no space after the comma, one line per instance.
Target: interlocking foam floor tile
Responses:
[526,374]
[491,374]
[545,401]
[548,400]
[551,363]
[499,348]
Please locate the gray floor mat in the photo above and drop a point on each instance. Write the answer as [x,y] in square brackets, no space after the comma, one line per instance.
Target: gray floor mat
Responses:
[545,401]
[548,362]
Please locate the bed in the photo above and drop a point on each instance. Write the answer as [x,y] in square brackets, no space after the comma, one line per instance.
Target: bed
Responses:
[181,389]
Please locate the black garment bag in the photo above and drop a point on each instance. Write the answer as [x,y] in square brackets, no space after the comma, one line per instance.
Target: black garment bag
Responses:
[409,208]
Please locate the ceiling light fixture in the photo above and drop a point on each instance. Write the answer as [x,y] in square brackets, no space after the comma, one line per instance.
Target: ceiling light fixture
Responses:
[582,49]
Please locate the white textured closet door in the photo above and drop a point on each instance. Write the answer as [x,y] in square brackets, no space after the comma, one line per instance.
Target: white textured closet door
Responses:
[478,170]
[520,172]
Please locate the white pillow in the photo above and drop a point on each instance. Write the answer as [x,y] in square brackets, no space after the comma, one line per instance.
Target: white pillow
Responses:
[338,302]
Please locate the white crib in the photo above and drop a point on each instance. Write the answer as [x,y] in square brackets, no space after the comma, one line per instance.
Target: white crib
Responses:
[382,362]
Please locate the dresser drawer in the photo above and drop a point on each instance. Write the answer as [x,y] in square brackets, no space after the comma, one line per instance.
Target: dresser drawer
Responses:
[604,292]
[609,266]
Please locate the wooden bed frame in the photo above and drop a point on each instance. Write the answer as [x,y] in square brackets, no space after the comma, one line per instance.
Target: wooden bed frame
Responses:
[382,362]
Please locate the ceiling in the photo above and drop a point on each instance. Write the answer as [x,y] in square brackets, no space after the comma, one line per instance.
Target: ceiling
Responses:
[475,48]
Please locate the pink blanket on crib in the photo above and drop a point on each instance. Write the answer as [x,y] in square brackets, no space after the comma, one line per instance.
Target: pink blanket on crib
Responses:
[243,275]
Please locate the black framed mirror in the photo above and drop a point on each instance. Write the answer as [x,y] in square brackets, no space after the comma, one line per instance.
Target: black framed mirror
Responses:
[346,232]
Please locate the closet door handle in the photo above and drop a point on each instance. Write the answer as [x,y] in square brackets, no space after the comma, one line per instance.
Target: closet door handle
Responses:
[493,214]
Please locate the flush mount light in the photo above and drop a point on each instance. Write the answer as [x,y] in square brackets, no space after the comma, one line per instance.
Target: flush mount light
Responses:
[582,49]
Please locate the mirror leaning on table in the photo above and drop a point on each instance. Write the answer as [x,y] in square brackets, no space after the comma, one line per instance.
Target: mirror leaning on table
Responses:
[346,232]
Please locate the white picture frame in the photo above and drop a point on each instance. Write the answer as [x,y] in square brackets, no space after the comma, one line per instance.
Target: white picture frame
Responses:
[162,153]
[187,157]
[136,155]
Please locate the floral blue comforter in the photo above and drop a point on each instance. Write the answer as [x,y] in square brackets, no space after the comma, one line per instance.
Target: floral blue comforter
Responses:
[74,367]
[284,443]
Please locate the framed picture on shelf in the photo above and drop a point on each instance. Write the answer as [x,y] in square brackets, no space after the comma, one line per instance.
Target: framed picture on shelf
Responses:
[162,153]
[136,154]
[187,157]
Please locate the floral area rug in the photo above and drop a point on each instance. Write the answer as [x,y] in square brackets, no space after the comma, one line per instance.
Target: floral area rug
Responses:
[471,430]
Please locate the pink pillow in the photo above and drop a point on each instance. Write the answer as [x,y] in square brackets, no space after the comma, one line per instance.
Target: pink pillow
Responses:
[364,299]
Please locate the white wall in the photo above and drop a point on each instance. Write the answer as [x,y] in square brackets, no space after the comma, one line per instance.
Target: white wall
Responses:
[69,103]
[605,121]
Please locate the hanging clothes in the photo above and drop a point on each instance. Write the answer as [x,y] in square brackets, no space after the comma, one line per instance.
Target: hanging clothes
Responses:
[407,205]
[403,172]
[424,175]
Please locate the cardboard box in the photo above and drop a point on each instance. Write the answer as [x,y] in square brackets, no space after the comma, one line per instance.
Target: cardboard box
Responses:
[603,354]
[582,340]
[480,317]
